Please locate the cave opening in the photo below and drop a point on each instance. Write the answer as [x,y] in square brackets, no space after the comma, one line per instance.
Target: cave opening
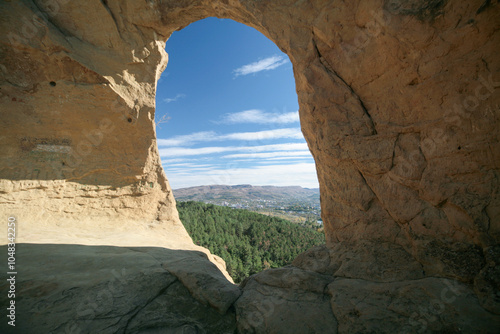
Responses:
[228,133]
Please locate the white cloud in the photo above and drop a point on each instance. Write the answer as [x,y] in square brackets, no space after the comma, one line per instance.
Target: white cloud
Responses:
[302,174]
[259,117]
[269,155]
[269,63]
[183,151]
[175,161]
[173,99]
[187,165]
[188,139]
[293,133]
[174,152]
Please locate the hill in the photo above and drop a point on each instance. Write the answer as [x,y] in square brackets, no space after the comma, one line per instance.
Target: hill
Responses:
[297,204]
[249,242]
[247,192]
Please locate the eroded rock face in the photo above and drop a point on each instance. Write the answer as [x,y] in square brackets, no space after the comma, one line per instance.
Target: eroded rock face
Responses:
[399,103]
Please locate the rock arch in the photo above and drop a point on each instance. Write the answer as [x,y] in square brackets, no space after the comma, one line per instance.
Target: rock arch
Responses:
[398,104]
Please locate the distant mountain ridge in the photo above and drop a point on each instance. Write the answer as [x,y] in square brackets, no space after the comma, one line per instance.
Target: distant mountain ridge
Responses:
[247,192]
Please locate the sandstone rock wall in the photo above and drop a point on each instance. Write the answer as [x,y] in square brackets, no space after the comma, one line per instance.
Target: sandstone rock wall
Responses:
[399,103]
[78,139]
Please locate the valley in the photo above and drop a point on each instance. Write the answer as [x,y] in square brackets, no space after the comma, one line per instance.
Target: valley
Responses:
[296,204]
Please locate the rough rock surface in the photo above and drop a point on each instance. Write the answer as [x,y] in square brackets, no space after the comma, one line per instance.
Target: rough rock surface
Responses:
[399,103]
[285,300]
[435,305]
[292,300]
[104,289]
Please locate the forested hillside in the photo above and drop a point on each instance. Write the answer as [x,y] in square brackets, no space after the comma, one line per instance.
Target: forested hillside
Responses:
[293,203]
[249,242]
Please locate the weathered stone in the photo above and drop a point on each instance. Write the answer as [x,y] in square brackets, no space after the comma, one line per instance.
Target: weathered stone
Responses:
[175,311]
[285,300]
[317,259]
[102,289]
[429,305]
[458,260]
[398,103]
[381,262]
[487,283]
[398,120]
[203,280]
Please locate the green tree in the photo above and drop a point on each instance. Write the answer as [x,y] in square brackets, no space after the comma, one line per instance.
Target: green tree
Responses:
[249,242]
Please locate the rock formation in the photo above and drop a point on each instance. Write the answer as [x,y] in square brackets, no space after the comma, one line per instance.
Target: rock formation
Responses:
[399,103]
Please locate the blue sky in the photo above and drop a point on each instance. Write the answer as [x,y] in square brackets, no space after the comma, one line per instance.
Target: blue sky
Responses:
[228,97]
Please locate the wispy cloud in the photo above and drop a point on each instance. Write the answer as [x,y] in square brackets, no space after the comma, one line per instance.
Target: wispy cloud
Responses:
[269,155]
[174,152]
[294,133]
[269,63]
[259,117]
[303,174]
[183,151]
[173,99]
[206,136]
[189,139]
